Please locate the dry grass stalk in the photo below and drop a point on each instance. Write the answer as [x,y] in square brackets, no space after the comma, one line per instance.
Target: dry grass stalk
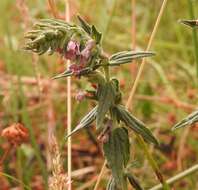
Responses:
[59,180]
[69,157]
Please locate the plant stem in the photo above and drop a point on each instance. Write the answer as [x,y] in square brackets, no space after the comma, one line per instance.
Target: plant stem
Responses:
[69,157]
[179,176]
[152,162]
[194,32]
[107,73]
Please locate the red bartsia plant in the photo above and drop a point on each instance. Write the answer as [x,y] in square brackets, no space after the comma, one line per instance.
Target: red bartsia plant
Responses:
[81,44]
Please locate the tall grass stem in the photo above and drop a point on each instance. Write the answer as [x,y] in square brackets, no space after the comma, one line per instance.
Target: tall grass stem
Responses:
[69,157]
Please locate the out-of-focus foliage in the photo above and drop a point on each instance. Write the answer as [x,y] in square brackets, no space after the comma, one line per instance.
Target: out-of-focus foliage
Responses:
[170,74]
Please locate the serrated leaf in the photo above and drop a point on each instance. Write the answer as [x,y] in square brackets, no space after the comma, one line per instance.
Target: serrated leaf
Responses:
[111,184]
[84,25]
[117,153]
[95,34]
[191,23]
[86,121]
[127,57]
[187,121]
[134,182]
[135,124]
[106,98]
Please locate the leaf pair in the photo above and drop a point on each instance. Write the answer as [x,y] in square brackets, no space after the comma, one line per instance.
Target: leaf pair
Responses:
[117,153]
[189,120]
[133,123]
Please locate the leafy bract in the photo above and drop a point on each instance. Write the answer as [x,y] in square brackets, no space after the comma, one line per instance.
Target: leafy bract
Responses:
[187,121]
[91,30]
[96,34]
[84,24]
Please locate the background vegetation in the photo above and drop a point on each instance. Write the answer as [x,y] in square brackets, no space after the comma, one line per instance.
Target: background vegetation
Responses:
[166,93]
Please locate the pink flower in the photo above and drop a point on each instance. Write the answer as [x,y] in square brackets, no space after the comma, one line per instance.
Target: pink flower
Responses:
[73,49]
[80,96]
[86,52]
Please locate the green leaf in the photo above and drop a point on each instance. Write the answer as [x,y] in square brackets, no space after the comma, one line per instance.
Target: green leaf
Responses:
[86,121]
[84,25]
[133,123]
[127,57]
[134,182]
[111,184]
[96,35]
[117,153]
[106,98]
[191,23]
[189,120]
[66,73]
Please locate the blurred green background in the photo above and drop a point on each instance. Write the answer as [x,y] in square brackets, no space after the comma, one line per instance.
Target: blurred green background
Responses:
[166,93]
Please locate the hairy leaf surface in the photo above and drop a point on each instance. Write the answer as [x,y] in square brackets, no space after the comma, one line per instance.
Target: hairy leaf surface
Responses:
[86,121]
[135,124]
[117,153]
[127,57]
[106,98]
[189,120]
